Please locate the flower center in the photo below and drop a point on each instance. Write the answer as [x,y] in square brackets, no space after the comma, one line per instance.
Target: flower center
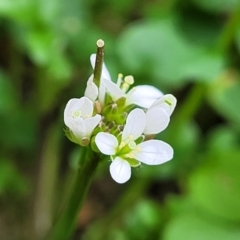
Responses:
[76,114]
[128,148]
[132,145]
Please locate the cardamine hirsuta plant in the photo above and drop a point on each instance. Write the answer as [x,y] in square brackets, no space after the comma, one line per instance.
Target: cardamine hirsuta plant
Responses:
[114,119]
[119,120]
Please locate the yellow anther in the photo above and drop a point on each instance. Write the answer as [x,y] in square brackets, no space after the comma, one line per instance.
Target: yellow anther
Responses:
[86,116]
[130,137]
[122,144]
[138,149]
[129,80]
[76,114]
[131,155]
[120,75]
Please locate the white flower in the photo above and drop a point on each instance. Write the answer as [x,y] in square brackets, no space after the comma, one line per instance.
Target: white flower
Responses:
[167,102]
[158,115]
[157,121]
[142,95]
[127,152]
[78,117]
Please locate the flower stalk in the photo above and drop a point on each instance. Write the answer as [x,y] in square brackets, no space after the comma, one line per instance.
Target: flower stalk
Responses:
[65,225]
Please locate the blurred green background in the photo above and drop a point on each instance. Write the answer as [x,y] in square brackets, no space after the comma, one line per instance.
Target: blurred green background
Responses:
[189,48]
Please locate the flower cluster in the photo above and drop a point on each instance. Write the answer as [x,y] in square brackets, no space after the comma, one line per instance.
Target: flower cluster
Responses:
[121,121]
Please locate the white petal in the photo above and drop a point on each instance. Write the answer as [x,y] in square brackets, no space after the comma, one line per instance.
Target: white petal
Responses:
[106,143]
[120,170]
[83,104]
[157,120]
[91,123]
[113,89]
[135,124]
[77,126]
[73,104]
[143,95]
[67,111]
[86,107]
[105,72]
[167,102]
[154,152]
[91,91]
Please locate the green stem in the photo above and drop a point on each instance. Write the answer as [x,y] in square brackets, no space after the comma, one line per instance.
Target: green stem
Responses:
[194,99]
[190,105]
[227,35]
[99,62]
[134,191]
[65,225]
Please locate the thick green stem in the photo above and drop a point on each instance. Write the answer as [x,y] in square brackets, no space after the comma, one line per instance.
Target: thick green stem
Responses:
[65,225]
[99,62]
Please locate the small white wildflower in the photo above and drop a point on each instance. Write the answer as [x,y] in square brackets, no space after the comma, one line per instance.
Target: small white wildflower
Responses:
[78,117]
[142,95]
[167,102]
[128,152]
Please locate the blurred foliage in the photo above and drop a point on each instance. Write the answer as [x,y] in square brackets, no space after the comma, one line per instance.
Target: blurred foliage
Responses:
[189,48]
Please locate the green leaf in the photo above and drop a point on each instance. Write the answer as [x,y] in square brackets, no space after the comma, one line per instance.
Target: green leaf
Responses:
[217,6]
[41,45]
[159,51]
[194,227]
[224,95]
[215,186]
[183,153]
[19,10]
[223,138]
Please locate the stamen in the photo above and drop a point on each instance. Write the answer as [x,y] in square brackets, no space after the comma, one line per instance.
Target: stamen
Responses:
[138,149]
[129,79]
[130,137]
[122,144]
[130,93]
[168,102]
[130,155]
[119,80]
[125,87]
[76,114]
